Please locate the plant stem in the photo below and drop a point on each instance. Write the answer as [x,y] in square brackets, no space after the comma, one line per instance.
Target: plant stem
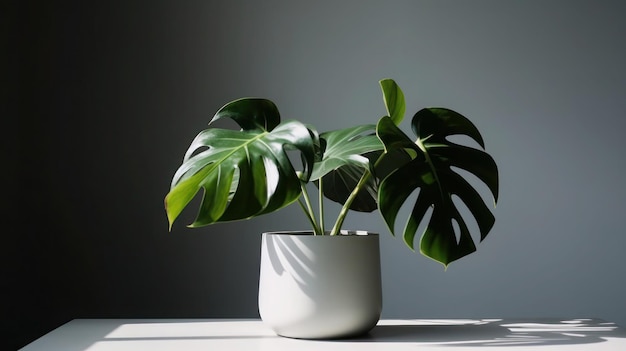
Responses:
[320,196]
[309,209]
[346,206]
[308,216]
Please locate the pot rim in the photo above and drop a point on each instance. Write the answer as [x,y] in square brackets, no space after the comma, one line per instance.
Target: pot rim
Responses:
[310,233]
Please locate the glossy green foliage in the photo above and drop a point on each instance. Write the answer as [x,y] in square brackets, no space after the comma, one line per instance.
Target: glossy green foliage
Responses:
[431,172]
[250,172]
[394,100]
[244,173]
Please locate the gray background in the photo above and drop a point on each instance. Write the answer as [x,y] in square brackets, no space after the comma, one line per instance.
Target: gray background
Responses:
[106,98]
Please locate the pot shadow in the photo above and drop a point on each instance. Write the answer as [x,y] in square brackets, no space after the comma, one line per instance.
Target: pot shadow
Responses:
[493,332]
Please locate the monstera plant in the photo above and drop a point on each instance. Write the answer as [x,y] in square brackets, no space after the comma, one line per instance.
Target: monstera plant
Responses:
[252,171]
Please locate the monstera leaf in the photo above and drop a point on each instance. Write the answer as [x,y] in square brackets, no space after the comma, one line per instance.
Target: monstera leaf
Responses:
[349,153]
[431,172]
[244,173]
[345,160]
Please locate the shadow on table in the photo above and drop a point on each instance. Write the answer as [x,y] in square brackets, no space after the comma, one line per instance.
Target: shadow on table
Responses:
[495,332]
[84,334]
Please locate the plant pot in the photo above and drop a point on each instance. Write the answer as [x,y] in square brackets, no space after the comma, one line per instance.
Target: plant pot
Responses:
[320,287]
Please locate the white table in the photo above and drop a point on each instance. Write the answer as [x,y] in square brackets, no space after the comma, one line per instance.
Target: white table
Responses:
[389,335]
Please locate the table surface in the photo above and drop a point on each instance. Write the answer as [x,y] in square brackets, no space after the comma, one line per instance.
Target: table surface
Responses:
[388,335]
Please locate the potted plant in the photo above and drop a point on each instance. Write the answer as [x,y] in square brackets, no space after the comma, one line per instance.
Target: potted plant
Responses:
[325,283]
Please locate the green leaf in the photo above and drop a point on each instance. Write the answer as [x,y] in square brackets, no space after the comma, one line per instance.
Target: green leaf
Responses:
[250,114]
[339,184]
[347,155]
[346,147]
[243,173]
[431,174]
[178,197]
[394,100]
[438,123]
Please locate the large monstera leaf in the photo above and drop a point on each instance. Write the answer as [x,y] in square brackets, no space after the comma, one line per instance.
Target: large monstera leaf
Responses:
[244,173]
[431,172]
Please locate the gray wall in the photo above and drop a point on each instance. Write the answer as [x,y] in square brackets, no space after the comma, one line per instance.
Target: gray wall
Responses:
[108,96]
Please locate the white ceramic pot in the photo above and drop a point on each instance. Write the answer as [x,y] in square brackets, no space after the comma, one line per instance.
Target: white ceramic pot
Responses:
[320,287]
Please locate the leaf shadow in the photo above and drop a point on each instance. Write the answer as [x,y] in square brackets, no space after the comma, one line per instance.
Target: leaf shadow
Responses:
[494,332]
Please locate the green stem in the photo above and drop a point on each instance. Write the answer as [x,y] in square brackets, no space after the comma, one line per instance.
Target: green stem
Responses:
[308,215]
[320,196]
[309,209]
[346,206]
